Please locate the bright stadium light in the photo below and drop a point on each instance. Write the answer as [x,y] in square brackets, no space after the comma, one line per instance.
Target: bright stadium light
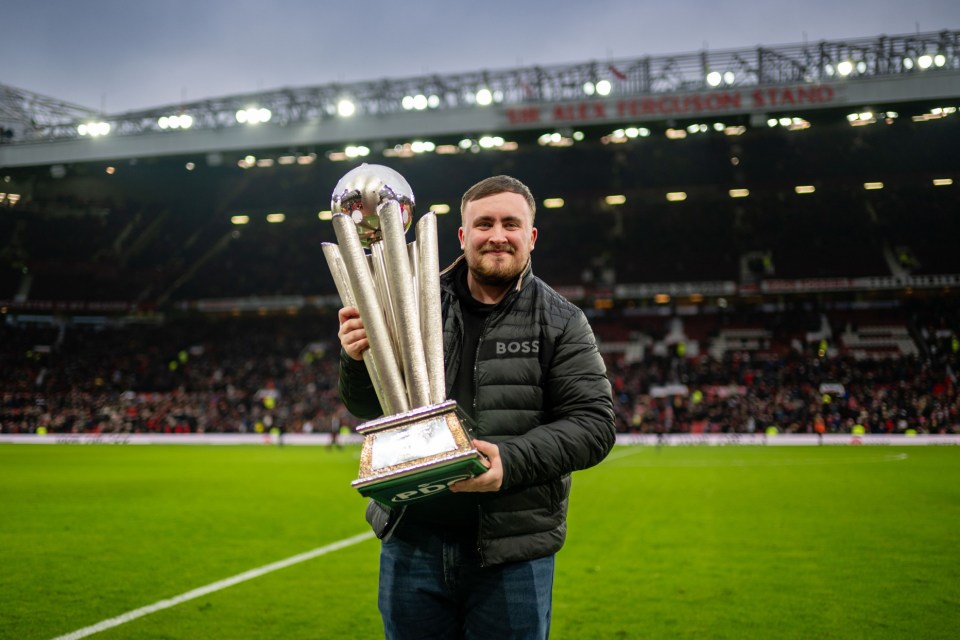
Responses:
[357,151]
[484,97]
[94,129]
[729,77]
[346,108]
[845,68]
[553,203]
[604,87]
[419,102]
[433,101]
[714,78]
[939,60]
[175,122]
[253,115]
[589,88]
[908,63]
[422,146]
[407,103]
[925,61]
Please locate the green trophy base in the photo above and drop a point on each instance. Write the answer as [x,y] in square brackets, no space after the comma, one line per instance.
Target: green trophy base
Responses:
[416,455]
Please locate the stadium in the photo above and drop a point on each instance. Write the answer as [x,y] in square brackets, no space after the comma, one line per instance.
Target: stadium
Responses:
[760,237]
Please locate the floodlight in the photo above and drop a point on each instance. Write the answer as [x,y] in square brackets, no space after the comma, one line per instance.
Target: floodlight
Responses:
[925,61]
[484,97]
[346,108]
[604,87]
[589,88]
[714,78]
[845,68]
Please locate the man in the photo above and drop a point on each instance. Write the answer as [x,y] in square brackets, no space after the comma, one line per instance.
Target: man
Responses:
[522,361]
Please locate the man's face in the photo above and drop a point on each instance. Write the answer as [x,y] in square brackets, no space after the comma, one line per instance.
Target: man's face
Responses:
[497,237]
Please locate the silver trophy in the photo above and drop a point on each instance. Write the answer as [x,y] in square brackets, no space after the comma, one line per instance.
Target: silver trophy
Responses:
[423,444]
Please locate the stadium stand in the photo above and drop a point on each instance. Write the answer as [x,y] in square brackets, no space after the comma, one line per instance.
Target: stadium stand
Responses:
[131,301]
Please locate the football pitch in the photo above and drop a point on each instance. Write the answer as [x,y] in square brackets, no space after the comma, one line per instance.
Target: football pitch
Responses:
[680,542]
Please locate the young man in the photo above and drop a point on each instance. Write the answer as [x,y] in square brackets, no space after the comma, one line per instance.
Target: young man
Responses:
[522,361]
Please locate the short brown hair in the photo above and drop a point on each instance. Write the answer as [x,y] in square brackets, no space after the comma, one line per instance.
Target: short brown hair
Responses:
[498,184]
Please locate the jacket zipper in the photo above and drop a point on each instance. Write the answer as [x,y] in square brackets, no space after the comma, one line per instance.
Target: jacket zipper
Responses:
[483,561]
[476,393]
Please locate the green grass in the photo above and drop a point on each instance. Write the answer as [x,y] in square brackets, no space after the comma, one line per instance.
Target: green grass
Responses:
[832,542]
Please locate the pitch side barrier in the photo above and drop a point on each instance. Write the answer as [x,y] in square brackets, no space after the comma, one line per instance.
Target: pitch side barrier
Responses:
[785,440]
[650,440]
[316,439]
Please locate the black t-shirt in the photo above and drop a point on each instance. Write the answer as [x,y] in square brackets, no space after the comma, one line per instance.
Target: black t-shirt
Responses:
[458,511]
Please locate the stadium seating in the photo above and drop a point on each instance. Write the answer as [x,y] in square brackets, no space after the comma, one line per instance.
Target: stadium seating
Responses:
[102,274]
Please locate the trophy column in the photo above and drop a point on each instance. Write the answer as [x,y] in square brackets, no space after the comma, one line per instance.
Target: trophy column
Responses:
[422,445]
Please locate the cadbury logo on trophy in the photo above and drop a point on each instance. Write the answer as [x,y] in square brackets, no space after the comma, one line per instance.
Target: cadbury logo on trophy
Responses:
[423,443]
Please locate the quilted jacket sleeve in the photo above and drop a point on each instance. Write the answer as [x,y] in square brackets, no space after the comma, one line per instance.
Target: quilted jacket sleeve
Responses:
[356,389]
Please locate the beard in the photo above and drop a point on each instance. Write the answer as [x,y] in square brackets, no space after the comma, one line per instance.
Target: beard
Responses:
[493,270]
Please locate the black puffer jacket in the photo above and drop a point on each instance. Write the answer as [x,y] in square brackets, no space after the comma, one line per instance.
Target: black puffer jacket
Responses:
[542,396]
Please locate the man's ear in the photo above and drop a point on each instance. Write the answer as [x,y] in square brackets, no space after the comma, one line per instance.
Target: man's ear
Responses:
[533,237]
[460,236]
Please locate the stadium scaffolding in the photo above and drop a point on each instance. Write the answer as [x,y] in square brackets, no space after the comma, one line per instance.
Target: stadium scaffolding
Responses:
[43,119]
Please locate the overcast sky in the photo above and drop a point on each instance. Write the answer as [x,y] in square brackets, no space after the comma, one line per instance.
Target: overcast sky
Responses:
[122,55]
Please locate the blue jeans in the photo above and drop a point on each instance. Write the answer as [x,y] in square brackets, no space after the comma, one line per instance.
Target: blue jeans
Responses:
[432,586]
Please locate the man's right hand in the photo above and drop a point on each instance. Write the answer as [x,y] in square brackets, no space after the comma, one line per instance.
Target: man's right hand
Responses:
[353,337]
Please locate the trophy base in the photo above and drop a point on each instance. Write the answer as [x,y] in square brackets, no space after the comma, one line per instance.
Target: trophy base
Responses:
[416,455]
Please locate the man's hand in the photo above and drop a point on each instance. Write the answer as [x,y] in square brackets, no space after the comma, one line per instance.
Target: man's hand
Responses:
[353,337]
[492,478]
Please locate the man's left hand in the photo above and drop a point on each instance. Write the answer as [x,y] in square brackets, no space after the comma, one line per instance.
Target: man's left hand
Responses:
[492,478]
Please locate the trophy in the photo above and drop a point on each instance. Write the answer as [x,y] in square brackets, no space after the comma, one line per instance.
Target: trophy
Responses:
[422,445]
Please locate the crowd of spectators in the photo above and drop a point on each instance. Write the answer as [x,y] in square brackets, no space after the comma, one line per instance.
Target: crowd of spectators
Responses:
[250,375]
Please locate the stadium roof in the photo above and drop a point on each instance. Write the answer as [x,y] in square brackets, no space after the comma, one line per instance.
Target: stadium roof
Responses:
[758,81]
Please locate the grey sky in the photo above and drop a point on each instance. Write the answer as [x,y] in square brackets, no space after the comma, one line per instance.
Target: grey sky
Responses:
[122,55]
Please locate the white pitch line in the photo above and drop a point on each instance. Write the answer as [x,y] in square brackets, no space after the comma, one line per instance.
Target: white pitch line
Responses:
[216,586]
